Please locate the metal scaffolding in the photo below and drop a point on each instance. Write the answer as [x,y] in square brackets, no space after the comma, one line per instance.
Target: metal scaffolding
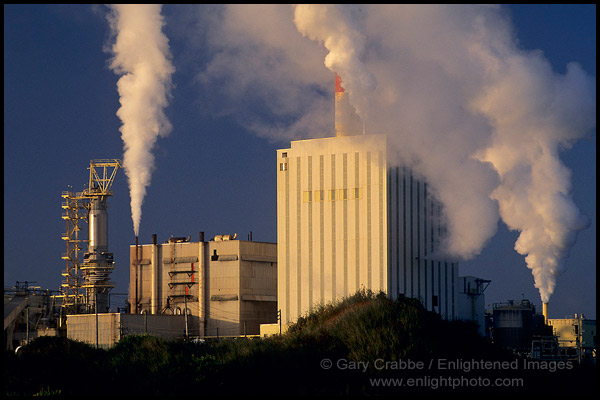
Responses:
[86,285]
[74,212]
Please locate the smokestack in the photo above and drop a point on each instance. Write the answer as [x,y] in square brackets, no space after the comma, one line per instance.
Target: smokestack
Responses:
[339,96]
[347,123]
[545,312]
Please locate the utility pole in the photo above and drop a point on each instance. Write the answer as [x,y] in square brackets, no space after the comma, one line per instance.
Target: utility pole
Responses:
[27,337]
[279,318]
[96,310]
[185,315]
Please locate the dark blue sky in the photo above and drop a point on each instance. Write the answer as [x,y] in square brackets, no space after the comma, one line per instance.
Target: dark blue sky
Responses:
[211,174]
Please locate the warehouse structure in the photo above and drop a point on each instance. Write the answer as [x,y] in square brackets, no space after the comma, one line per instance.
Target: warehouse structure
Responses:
[222,287]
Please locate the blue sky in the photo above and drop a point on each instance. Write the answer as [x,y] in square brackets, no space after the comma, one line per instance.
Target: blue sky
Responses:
[212,174]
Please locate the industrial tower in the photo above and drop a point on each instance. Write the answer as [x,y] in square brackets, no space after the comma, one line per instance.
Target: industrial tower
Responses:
[86,285]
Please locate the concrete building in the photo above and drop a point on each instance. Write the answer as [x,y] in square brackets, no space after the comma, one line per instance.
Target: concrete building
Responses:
[106,329]
[225,286]
[348,219]
[577,334]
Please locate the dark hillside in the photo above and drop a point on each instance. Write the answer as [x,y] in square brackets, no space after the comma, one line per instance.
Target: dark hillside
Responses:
[365,344]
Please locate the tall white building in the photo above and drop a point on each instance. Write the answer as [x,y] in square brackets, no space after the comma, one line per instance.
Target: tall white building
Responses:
[347,219]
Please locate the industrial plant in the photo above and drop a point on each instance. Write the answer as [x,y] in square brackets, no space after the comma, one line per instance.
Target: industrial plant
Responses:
[223,287]
[347,220]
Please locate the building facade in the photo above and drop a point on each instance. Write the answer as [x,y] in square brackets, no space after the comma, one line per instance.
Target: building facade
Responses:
[227,287]
[347,219]
[576,336]
[106,329]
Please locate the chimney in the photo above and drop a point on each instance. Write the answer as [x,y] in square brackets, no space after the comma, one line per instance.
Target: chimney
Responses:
[545,312]
[347,123]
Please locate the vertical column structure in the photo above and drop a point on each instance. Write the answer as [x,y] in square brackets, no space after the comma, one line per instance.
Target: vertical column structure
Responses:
[347,122]
[98,261]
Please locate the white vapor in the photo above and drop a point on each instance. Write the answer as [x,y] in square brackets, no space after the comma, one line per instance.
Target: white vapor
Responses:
[480,119]
[141,56]
[535,113]
[338,29]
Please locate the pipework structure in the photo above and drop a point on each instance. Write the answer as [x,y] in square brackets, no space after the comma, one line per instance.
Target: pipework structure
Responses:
[87,285]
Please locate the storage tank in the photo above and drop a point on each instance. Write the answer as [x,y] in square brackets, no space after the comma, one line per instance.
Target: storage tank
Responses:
[513,325]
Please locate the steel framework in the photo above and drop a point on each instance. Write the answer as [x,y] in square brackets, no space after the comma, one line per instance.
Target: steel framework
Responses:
[86,284]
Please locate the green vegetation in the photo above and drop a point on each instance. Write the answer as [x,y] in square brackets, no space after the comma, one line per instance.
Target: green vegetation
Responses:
[366,336]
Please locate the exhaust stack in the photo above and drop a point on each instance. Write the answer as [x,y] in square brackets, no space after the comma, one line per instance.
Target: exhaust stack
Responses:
[347,122]
[545,312]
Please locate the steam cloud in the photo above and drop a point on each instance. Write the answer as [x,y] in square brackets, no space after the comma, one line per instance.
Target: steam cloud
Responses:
[337,28]
[141,56]
[480,119]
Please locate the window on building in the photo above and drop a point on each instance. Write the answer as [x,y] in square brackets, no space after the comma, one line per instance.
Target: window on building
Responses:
[357,192]
[332,194]
[283,166]
[319,195]
[306,196]
[343,194]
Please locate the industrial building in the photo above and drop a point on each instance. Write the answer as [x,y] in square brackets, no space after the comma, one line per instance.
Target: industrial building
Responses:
[104,330]
[348,219]
[29,312]
[515,323]
[224,287]
[576,336]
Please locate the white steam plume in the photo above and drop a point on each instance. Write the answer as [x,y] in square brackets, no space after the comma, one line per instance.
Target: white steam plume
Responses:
[481,120]
[535,113]
[338,29]
[417,103]
[141,56]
